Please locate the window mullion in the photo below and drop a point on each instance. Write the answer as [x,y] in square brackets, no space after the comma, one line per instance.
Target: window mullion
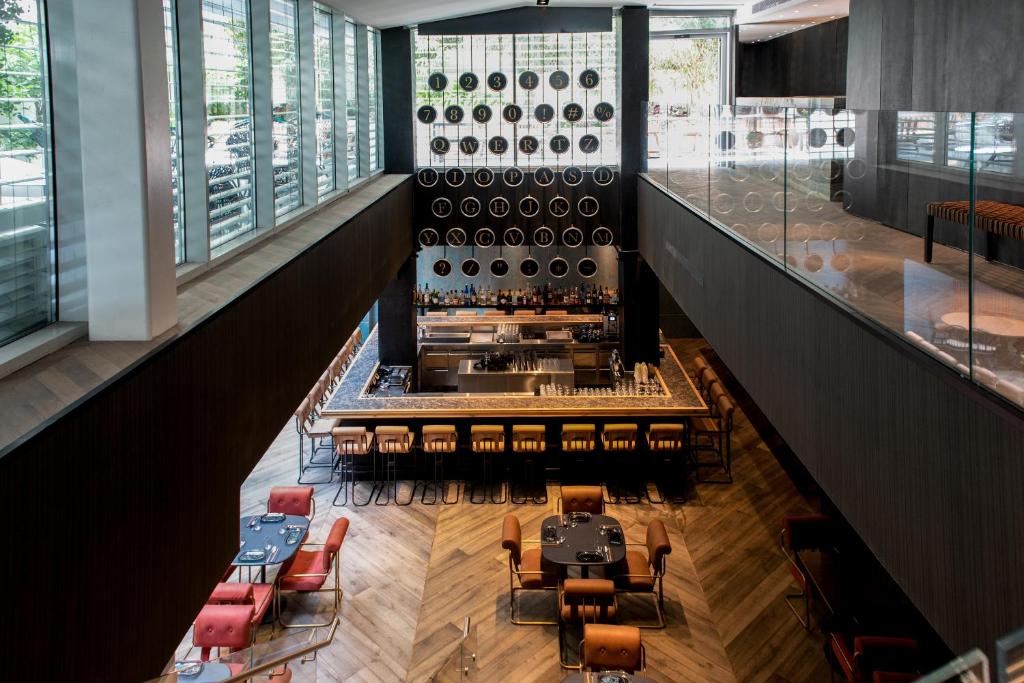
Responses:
[307,104]
[362,102]
[192,105]
[340,102]
[263,111]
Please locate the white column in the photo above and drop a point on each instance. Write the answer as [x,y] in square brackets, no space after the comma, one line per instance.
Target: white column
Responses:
[263,111]
[307,99]
[363,100]
[340,102]
[126,168]
[192,102]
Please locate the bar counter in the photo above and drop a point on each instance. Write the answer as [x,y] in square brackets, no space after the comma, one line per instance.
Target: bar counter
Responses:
[350,401]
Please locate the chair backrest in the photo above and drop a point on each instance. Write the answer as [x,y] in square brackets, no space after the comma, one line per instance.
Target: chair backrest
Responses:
[583,433]
[336,537]
[581,593]
[582,499]
[391,438]
[699,366]
[487,437]
[439,437]
[668,435]
[529,437]
[512,539]
[725,410]
[557,311]
[807,532]
[222,626]
[465,313]
[302,414]
[524,311]
[291,500]
[621,434]
[658,545]
[607,647]
[357,337]
[708,380]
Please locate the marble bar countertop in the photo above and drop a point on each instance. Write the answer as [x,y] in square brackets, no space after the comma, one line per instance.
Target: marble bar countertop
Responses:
[467,320]
[350,400]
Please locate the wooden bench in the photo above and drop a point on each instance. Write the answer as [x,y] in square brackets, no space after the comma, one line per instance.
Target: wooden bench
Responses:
[995,218]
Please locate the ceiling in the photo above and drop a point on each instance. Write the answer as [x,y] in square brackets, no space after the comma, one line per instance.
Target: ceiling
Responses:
[387,13]
[787,17]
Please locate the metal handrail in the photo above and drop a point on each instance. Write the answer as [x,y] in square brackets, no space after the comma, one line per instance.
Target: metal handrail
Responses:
[284,659]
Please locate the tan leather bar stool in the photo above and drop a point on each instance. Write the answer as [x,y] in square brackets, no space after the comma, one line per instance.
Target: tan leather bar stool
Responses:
[581,601]
[577,439]
[465,314]
[619,443]
[714,434]
[488,442]
[350,444]
[439,441]
[666,441]
[309,424]
[529,442]
[393,442]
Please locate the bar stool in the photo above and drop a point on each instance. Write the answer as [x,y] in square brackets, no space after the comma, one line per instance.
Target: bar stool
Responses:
[309,424]
[439,441]
[716,432]
[487,441]
[351,443]
[666,440]
[529,441]
[578,438]
[392,442]
[619,441]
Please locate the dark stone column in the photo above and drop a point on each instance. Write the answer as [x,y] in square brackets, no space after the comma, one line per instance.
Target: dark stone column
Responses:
[396,313]
[396,75]
[640,291]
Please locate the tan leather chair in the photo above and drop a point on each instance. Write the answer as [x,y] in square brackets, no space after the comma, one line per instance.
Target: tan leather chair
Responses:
[530,442]
[714,434]
[699,366]
[581,601]
[309,424]
[439,441]
[619,443]
[350,444]
[557,311]
[619,437]
[463,314]
[578,438]
[666,441]
[497,311]
[524,566]
[437,314]
[393,442]
[357,338]
[524,311]
[666,436]
[487,441]
[606,647]
[646,573]
[581,499]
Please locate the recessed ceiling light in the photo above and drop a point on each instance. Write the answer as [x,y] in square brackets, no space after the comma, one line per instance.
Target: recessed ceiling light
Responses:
[542,2]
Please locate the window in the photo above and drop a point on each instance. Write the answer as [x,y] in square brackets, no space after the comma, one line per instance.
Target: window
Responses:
[351,98]
[995,145]
[26,226]
[171,40]
[323,66]
[915,136]
[284,65]
[690,22]
[372,38]
[229,149]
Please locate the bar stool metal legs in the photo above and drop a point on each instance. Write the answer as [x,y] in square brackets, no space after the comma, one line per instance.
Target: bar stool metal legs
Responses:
[392,443]
[439,441]
[350,443]
[529,445]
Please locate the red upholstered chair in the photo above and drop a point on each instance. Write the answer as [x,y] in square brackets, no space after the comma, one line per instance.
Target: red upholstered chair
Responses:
[859,660]
[260,596]
[803,532]
[308,570]
[292,500]
[524,565]
[228,626]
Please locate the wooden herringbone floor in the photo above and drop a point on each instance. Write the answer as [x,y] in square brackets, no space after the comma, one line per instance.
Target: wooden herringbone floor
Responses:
[411,575]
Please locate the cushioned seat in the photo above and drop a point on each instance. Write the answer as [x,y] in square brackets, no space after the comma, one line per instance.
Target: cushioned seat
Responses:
[305,562]
[524,565]
[292,500]
[309,569]
[487,438]
[394,439]
[258,595]
[228,626]
[587,600]
[352,440]
[645,574]
[638,571]
[530,562]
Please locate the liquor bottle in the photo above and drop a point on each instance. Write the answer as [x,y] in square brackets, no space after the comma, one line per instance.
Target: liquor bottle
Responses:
[494,297]
[472,294]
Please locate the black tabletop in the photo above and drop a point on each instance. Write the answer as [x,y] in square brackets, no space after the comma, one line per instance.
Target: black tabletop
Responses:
[284,538]
[585,536]
[211,672]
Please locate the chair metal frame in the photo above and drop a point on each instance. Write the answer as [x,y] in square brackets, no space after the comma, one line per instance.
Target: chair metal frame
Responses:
[487,446]
[804,594]
[441,446]
[561,627]
[336,590]
[677,448]
[391,448]
[719,443]
[623,446]
[302,427]
[347,472]
[514,574]
[657,591]
[536,447]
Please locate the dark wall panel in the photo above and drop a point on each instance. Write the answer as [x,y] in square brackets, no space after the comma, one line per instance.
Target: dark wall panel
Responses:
[132,494]
[811,62]
[396,77]
[524,20]
[926,467]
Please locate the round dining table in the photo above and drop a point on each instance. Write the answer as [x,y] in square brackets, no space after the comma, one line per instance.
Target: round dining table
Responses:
[997,325]
[574,536]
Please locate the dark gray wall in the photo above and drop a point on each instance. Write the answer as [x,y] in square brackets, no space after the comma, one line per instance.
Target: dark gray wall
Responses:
[123,509]
[810,62]
[926,467]
[936,55]
[396,77]
[524,20]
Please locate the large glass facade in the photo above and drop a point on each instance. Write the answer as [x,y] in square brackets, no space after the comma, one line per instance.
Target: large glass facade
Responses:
[171,41]
[323,68]
[27,284]
[284,64]
[372,43]
[351,101]
[229,151]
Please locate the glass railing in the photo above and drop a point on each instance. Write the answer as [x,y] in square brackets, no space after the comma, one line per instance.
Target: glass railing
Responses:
[1010,658]
[294,651]
[460,666]
[873,208]
[969,668]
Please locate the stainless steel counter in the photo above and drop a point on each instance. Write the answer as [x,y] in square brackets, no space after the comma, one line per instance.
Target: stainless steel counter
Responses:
[474,381]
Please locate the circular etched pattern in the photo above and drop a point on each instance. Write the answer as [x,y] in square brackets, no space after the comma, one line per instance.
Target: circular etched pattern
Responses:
[470,207]
[427,177]
[453,114]
[482,113]
[455,237]
[499,267]
[442,267]
[602,236]
[426,114]
[559,144]
[587,267]
[572,175]
[428,237]
[437,81]
[455,177]
[528,80]
[469,81]
[572,237]
[514,237]
[529,206]
[604,111]
[543,237]
[483,177]
[441,207]
[544,113]
[497,81]
[528,144]
[498,145]
[440,146]
[469,145]
[589,144]
[513,176]
[471,267]
[603,176]
[499,207]
[588,206]
[589,78]
[512,113]
[558,267]
[543,176]
[559,206]
[559,80]
[529,267]
[572,112]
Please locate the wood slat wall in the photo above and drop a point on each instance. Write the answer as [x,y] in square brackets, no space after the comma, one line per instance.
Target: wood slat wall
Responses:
[926,467]
[133,493]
